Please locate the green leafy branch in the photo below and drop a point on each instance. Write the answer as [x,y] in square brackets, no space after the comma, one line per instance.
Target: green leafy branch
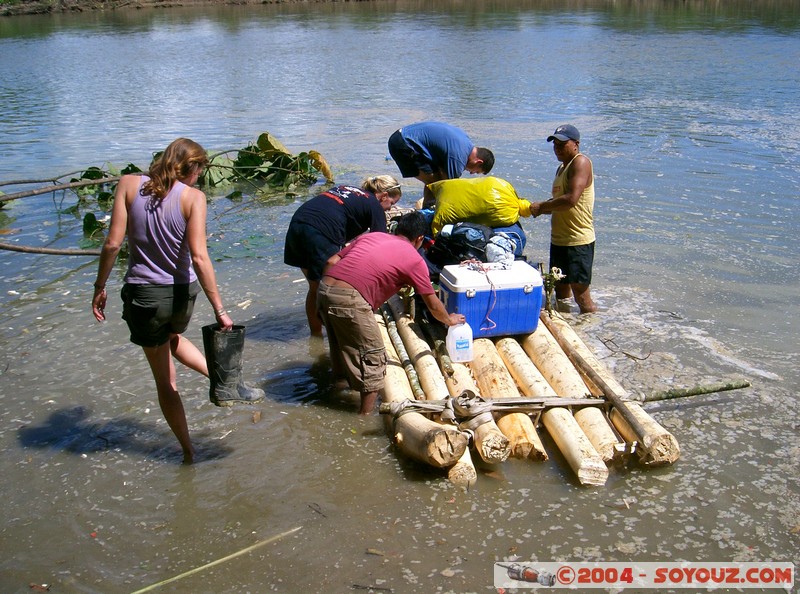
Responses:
[266,166]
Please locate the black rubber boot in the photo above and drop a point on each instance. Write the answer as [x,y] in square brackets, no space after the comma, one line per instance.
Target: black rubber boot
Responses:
[224,359]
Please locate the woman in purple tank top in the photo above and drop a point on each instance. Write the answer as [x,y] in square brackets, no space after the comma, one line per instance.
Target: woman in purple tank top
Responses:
[164,218]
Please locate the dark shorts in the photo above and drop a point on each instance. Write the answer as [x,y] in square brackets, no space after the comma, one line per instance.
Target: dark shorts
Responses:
[575,261]
[353,336]
[308,249]
[153,312]
[410,162]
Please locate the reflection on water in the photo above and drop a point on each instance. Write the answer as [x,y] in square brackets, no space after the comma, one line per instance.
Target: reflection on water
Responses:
[695,275]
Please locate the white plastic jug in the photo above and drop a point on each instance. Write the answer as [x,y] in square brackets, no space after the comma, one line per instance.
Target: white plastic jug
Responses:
[459,343]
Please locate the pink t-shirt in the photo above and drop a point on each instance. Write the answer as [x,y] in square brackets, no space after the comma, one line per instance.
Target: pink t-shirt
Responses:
[377,265]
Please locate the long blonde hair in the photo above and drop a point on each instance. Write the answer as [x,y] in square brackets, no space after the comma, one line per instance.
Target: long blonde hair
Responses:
[176,162]
[382,183]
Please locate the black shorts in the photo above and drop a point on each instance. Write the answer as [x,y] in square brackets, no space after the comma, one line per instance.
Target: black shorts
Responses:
[409,161]
[308,249]
[154,312]
[575,261]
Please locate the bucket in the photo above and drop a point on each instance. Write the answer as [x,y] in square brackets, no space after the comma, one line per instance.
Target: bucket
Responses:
[459,343]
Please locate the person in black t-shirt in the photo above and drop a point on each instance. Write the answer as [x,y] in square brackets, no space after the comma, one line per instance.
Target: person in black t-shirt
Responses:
[324,224]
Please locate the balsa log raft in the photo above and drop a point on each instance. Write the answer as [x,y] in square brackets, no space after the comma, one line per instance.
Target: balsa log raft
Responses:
[416,435]
[588,440]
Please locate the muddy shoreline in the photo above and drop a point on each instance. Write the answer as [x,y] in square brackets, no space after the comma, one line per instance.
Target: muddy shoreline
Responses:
[26,7]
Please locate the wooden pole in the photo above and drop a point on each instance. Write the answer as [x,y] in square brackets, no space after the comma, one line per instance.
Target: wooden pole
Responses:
[437,337]
[56,188]
[397,342]
[51,251]
[697,390]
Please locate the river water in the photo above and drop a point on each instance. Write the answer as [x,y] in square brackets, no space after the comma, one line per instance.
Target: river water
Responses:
[689,111]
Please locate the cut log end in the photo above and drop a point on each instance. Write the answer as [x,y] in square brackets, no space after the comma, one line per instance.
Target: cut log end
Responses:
[661,450]
[593,474]
[463,473]
[658,448]
[443,446]
[494,448]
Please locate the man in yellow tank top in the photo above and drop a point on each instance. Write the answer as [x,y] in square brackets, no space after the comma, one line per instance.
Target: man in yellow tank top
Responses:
[572,228]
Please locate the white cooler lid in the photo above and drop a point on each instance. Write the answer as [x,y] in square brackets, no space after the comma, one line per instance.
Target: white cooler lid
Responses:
[459,278]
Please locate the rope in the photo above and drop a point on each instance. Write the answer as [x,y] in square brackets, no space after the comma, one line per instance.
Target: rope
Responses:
[472,410]
[484,269]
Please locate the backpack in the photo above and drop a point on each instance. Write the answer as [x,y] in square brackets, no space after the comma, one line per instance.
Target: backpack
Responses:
[459,242]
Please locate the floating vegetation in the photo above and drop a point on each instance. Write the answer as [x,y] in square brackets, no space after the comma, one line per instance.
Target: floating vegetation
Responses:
[266,167]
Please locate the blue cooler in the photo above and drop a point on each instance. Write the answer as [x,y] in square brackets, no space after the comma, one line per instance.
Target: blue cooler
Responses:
[495,301]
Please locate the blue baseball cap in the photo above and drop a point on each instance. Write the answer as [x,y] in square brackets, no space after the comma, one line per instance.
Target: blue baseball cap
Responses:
[565,133]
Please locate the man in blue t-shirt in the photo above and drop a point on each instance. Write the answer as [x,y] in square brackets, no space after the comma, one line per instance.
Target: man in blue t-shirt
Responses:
[433,151]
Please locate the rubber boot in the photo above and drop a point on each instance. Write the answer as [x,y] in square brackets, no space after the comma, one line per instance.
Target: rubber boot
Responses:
[224,359]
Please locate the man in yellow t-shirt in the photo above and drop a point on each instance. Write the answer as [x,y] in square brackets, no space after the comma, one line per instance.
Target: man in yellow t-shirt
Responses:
[572,235]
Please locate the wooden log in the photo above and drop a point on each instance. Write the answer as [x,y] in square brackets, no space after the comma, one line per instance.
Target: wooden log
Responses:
[13,247]
[553,363]
[568,436]
[397,387]
[487,439]
[437,337]
[430,377]
[657,446]
[489,442]
[463,472]
[530,380]
[592,421]
[423,439]
[495,381]
[568,334]
[578,451]
[415,435]
[597,428]
[546,353]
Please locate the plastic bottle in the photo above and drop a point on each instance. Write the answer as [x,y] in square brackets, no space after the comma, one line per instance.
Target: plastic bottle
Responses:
[459,343]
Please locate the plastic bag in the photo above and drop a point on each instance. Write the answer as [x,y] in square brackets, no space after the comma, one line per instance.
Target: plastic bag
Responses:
[489,201]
